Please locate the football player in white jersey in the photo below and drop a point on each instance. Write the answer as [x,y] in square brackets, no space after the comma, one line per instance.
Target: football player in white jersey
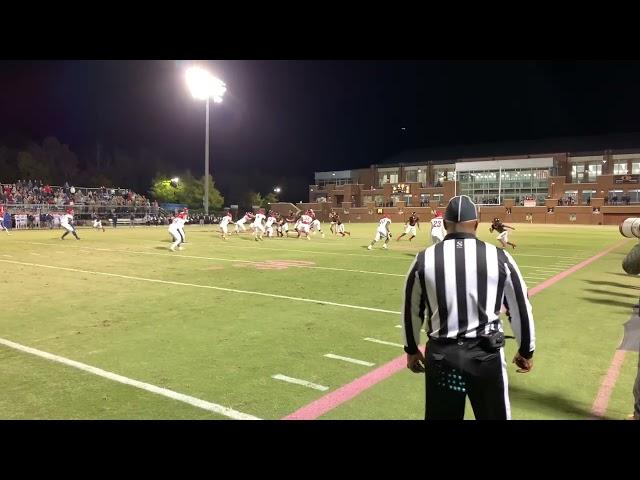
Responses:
[304,225]
[185,219]
[175,229]
[257,226]
[66,222]
[97,222]
[271,219]
[437,228]
[224,224]
[383,231]
[240,223]
[315,223]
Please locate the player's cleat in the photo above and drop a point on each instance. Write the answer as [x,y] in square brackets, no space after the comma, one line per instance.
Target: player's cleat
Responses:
[180,248]
[384,246]
[322,235]
[369,247]
[172,249]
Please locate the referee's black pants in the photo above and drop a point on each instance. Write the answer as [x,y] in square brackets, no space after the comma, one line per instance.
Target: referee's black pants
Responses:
[457,368]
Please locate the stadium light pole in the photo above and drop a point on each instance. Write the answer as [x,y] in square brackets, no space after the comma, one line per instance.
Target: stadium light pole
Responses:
[204,86]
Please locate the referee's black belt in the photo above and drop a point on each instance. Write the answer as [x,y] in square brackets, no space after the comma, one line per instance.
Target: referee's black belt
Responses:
[451,341]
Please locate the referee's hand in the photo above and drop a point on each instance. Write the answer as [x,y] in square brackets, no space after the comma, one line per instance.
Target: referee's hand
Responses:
[525,364]
[415,362]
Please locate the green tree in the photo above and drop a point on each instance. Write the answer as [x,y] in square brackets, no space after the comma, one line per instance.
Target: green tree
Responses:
[30,168]
[271,197]
[254,199]
[189,191]
[163,190]
[193,193]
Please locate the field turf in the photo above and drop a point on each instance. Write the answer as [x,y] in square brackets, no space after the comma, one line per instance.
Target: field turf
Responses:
[196,322]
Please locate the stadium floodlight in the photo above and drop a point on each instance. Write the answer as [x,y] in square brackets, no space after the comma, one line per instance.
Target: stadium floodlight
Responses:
[204,86]
[277,189]
[175,179]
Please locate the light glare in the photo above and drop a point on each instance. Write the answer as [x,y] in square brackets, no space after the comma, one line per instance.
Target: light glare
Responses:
[203,85]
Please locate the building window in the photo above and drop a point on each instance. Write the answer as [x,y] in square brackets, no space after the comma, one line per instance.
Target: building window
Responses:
[577,173]
[379,199]
[635,168]
[594,171]
[387,175]
[587,195]
[634,196]
[615,197]
[416,174]
[620,168]
[442,174]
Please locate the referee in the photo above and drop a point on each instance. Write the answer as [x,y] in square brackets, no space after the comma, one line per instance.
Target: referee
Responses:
[460,286]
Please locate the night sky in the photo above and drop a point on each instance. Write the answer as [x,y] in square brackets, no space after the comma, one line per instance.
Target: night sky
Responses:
[282,120]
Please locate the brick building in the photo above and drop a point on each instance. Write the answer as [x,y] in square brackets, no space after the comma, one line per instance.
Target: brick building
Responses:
[584,181]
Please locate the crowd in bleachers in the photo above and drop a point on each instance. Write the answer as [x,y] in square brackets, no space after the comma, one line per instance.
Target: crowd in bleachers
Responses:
[35,192]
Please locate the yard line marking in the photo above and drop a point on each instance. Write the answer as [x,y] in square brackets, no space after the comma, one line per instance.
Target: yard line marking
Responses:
[241,261]
[383,342]
[181,397]
[386,256]
[314,252]
[539,267]
[211,287]
[599,407]
[351,390]
[516,255]
[297,381]
[350,360]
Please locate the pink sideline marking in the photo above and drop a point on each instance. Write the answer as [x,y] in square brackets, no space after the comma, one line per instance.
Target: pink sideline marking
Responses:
[345,393]
[601,402]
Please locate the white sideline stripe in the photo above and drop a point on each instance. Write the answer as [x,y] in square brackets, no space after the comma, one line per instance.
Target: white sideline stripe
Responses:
[375,340]
[297,381]
[350,360]
[211,287]
[181,397]
[238,260]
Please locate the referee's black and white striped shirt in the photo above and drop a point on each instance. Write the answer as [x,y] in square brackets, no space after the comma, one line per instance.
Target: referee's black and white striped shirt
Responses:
[460,285]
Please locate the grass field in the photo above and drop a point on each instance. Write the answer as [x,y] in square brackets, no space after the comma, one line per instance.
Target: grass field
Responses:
[195,322]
